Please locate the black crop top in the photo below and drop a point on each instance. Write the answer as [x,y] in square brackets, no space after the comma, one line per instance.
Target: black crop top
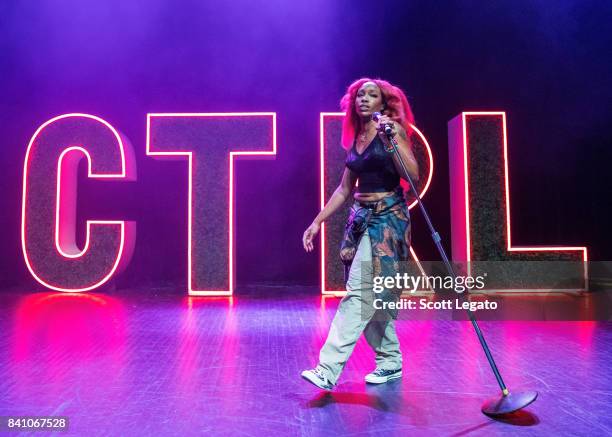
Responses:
[375,170]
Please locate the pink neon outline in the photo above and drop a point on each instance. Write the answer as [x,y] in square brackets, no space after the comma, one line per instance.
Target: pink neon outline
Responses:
[509,246]
[322,116]
[191,291]
[90,174]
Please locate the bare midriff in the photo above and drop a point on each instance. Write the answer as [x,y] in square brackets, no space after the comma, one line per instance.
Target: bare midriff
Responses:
[371,197]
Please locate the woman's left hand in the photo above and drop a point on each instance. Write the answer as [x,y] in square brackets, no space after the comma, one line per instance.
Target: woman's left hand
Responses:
[380,126]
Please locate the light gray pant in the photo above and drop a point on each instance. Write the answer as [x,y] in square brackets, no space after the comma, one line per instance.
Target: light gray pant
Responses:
[355,315]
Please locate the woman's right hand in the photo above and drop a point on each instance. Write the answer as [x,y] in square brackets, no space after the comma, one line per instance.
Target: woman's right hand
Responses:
[309,234]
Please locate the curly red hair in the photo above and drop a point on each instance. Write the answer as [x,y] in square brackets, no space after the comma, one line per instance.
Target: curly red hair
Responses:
[396,107]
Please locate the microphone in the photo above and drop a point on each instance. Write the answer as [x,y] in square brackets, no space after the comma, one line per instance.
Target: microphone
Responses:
[388,129]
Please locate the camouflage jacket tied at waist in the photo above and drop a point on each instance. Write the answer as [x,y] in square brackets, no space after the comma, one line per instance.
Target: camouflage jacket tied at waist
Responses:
[388,224]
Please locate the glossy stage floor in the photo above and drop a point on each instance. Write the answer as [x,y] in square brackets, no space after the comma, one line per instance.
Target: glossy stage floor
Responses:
[154,362]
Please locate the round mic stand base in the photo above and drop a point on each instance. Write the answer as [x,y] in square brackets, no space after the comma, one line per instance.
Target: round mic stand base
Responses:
[509,403]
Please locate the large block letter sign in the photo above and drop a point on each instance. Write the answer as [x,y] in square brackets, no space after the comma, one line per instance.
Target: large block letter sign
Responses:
[49,203]
[210,142]
[331,160]
[480,213]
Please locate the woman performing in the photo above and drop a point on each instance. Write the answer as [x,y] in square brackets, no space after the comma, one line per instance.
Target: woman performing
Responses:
[376,241]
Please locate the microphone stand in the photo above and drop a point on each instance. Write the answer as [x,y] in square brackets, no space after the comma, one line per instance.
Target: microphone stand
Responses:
[508,402]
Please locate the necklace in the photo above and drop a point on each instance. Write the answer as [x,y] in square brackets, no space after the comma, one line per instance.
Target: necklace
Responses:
[362,137]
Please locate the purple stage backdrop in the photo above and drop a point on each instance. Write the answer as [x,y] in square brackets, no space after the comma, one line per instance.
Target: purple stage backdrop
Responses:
[544,63]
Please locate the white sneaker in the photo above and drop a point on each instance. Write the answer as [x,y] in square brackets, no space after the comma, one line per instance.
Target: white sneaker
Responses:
[380,376]
[318,378]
